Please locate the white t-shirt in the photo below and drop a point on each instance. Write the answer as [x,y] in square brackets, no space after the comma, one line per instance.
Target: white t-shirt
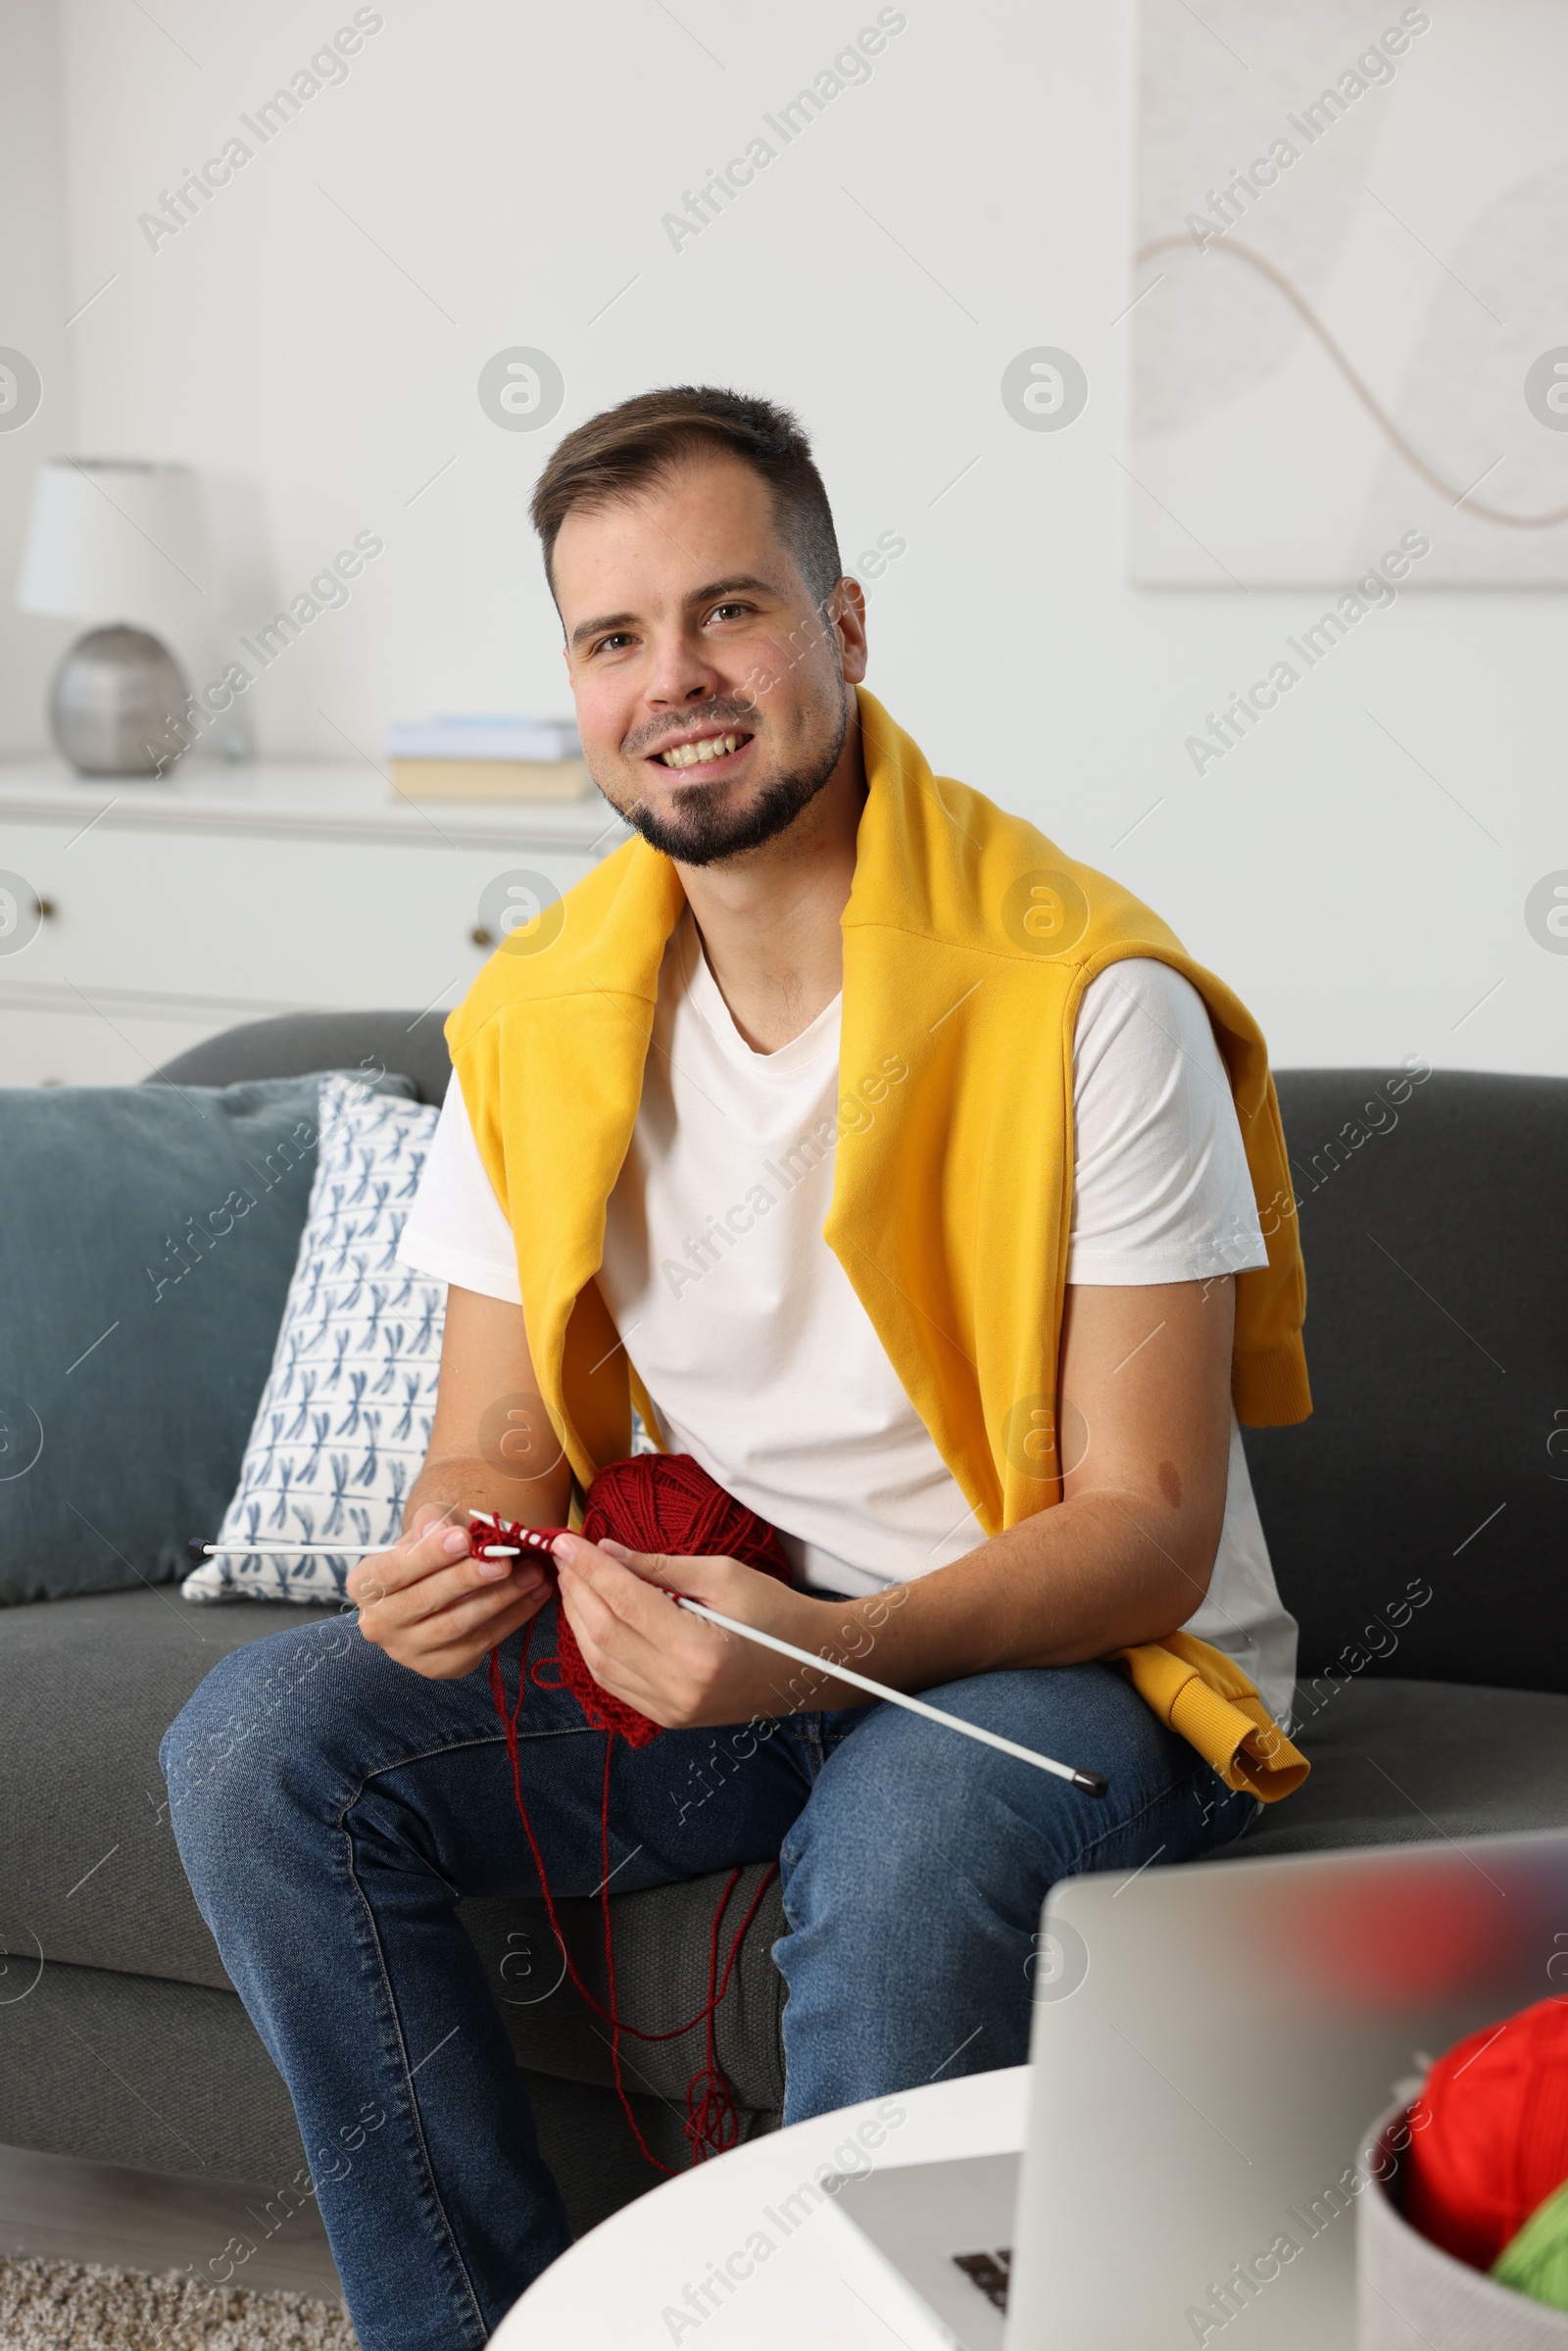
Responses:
[745,1330]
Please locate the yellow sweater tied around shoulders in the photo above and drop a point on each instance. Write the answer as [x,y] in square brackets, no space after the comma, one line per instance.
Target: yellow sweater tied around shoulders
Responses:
[969,941]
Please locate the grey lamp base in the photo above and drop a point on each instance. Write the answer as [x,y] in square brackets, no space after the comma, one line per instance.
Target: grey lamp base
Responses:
[115,701]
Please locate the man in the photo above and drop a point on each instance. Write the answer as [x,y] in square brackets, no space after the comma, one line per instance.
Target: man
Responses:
[889,1165]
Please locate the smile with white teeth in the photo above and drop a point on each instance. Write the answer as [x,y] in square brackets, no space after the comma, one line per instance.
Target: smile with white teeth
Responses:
[694,755]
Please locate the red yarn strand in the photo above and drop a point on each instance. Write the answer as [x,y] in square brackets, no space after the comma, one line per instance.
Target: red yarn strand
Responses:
[662,1503]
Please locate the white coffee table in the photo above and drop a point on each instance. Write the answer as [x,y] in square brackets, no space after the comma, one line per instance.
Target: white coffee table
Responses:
[623,2287]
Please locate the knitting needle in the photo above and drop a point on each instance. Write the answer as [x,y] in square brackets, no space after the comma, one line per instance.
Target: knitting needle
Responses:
[1094,1784]
[199,1550]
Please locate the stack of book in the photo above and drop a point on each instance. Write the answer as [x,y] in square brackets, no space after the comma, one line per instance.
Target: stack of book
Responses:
[486,759]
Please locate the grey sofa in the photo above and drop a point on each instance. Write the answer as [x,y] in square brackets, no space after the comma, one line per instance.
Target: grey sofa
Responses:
[1417,1525]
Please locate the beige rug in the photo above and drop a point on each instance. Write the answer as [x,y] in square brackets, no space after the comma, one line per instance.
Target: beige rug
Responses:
[71,2306]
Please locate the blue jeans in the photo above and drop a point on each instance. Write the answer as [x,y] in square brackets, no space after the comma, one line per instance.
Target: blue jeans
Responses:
[330,1808]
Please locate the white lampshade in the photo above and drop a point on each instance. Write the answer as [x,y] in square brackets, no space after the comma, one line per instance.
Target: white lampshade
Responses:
[118,539]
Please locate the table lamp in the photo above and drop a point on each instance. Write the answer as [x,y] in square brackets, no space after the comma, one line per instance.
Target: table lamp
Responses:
[127,538]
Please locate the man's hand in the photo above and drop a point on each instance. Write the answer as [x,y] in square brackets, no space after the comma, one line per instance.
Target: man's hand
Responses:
[685,1673]
[436,1609]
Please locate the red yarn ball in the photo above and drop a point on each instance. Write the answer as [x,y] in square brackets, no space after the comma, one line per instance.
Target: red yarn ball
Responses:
[661,1502]
[1488,2135]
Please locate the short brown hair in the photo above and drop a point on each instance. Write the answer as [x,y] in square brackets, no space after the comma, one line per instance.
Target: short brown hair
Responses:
[625,448]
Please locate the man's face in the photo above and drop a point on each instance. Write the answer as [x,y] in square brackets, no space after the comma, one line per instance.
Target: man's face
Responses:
[712,701]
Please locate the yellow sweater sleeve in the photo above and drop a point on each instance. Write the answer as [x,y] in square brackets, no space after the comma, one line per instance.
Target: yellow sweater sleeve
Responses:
[1205,1698]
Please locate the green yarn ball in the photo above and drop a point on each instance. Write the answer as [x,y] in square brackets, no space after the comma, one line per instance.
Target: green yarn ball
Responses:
[1535,2261]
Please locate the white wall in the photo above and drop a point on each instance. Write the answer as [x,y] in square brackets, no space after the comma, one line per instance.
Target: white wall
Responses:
[504,167]
[36,297]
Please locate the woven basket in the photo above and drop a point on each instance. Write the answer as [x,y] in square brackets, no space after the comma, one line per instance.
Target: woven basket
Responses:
[1409,2291]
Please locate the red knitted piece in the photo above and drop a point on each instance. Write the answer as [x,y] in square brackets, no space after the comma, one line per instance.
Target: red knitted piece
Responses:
[658,1503]
[663,1502]
[1489,2134]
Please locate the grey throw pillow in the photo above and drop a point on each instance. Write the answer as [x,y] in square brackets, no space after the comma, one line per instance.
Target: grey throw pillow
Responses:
[147,1237]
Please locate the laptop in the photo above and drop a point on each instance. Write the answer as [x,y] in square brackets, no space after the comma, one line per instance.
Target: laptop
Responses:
[1210,2047]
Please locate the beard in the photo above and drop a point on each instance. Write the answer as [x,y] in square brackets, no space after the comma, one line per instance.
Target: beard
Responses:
[700,831]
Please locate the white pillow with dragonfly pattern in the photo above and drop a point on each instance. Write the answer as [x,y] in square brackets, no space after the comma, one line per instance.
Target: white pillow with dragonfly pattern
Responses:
[344,1420]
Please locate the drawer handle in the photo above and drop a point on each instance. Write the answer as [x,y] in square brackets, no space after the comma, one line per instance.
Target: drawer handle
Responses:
[46,908]
[481,937]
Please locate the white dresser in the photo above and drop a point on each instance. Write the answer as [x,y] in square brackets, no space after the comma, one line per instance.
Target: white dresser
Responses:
[138,917]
